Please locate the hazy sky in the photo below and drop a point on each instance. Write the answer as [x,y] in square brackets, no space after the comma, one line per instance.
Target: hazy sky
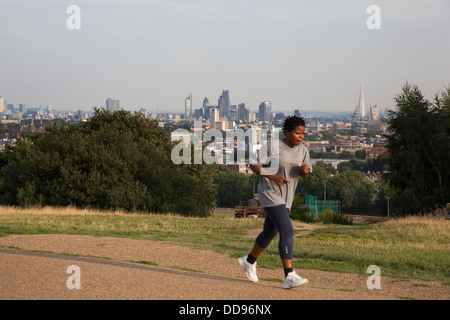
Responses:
[151,54]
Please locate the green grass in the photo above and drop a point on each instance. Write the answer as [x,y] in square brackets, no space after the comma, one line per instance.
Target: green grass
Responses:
[411,247]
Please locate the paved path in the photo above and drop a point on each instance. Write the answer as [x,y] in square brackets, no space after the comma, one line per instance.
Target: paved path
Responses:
[175,273]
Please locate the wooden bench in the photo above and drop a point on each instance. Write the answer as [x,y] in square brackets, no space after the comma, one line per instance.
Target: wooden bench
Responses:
[248,211]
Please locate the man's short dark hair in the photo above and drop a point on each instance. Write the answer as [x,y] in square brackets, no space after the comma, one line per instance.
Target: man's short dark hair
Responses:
[292,122]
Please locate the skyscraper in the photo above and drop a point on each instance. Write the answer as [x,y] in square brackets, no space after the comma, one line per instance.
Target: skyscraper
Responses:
[188,106]
[262,111]
[23,108]
[206,107]
[2,104]
[205,103]
[265,109]
[374,112]
[268,105]
[112,105]
[360,111]
[214,117]
[224,103]
[242,112]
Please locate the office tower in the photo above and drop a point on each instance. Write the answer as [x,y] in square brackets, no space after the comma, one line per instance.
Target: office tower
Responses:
[214,115]
[360,111]
[198,113]
[264,110]
[23,108]
[2,104]
[188,106]
[205,103]
[268,105]
[241,112]
[375,112]
[205,108]
[233,113]
[224,104]
[280,116]
[112,105]
[208,111]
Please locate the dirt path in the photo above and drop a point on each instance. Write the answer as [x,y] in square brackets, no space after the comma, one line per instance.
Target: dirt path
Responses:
[109,270]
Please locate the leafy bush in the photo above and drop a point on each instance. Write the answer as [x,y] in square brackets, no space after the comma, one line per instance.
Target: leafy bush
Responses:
[300,212]
[329,216]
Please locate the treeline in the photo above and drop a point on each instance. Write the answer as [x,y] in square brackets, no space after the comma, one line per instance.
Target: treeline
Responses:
[332,155]
[114,161]
[369,165]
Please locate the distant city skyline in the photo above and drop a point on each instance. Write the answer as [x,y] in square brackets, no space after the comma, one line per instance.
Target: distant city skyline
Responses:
[312,55]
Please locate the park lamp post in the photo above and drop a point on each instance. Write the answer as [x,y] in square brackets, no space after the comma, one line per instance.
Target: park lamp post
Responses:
[388,204]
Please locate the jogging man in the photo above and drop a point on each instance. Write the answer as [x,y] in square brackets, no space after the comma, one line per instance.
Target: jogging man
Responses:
[276,191]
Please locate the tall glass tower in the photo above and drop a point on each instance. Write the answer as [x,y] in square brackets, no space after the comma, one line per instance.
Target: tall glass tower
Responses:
[360,111]
[224,103]
[188,106]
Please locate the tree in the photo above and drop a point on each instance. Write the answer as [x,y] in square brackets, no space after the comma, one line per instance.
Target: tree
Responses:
[354,194]
[233,188]
[360,154]
[114,161]
[345,166]
[418,151]
[313,184]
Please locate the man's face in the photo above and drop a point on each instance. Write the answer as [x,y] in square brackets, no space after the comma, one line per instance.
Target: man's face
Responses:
[295,137]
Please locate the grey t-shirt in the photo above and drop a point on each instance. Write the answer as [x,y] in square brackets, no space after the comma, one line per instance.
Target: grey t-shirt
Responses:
[278,158]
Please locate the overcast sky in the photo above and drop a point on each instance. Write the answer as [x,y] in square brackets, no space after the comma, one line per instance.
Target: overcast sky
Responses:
[151,54]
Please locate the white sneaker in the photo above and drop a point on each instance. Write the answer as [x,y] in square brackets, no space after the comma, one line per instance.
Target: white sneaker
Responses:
[250,269]
[293,280]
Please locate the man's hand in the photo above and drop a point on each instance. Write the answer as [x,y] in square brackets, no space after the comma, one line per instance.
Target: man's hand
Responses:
[304,170]
[279,180]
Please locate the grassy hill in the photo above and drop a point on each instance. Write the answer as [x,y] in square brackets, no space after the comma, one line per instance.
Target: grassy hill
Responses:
[411,247]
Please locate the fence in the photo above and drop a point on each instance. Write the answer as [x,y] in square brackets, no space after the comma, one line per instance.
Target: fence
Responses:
[315,206]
